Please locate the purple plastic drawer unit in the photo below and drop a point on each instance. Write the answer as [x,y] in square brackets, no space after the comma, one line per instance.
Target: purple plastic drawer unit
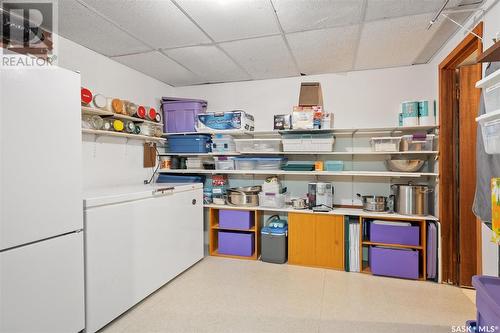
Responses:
[181,114]
[394,234]
[487,302]
[236,219]
[394,262]
[236,243]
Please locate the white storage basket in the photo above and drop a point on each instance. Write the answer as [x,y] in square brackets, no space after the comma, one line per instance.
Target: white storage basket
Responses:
[307,142]
[388,143]
[490,127]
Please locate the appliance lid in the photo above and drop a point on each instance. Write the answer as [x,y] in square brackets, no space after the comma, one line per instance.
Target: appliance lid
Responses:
[117,194]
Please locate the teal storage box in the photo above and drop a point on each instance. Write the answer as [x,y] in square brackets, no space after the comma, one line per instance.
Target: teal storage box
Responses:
[334,166]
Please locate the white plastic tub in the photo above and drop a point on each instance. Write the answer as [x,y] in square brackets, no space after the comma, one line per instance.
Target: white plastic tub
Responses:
[269,163]
[491,91]
[490,127]
[245,163]
[408,143]
[258,145]
[308,142]
[387,143]
[272,200]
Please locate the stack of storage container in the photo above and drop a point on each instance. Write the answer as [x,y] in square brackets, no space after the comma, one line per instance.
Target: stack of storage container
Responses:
[490,121]
[237,239]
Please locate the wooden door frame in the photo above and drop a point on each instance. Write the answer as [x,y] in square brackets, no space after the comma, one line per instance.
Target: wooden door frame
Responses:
[448,152]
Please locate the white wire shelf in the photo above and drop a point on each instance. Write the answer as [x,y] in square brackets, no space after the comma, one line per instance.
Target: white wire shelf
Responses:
[348,153]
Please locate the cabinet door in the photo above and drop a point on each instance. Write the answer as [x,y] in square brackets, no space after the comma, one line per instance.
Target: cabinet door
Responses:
[301,239]
[329,241]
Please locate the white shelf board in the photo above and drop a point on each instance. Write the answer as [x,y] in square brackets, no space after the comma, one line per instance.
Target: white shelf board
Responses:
[306,173]
[103,113]
[335,211]
[343,131]
[419,152]
[123,135]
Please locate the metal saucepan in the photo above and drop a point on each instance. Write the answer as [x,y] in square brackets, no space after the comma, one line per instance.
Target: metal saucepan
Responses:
[376,203]
[244,196]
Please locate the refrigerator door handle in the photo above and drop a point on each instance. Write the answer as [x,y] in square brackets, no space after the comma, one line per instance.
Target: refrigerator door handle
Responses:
[164,191]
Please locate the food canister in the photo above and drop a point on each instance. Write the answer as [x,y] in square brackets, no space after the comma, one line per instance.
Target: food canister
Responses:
[411,199]
[151,114]
[165,162]
[158,117]
[96,122]
[108,125]
[118,125]
[130,108]
[157,131]
[130,127]
[86,96]
[318,166]
[117,106]
[141,112]
[100,101]
[137,130]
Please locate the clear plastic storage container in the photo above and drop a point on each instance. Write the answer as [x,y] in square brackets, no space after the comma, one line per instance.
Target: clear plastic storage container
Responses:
[258,145]
[269,163]
[490,127]
[223,143]
[388,143]
[243,163]
[224,163]
[491,91]
[409,143]
[272,200]
[308,142]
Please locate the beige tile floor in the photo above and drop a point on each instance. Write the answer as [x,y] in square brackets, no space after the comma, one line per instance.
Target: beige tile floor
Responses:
[226,295]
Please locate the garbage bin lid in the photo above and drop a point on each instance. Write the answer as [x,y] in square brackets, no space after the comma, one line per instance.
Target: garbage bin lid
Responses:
[274,231]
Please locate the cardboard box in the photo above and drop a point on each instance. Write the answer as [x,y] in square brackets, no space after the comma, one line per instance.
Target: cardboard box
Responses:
[310,94]
[282,121]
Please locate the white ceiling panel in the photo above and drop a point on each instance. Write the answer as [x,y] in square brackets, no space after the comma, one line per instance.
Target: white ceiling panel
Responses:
[300,15]
[227,20]
[82,26]
[324,51]
[208,62]
[382,9]
[160,67]
[262,58]
[159,23]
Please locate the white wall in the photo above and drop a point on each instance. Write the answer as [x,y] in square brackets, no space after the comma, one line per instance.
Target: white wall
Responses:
[491,21]
[358,99]
[109,161]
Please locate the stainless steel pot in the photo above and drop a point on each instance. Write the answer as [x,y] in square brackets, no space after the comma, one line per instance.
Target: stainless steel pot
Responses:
[375,203]
[411,199]
[244,196]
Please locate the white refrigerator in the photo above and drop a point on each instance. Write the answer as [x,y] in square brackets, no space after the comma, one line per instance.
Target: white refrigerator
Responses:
[41,213]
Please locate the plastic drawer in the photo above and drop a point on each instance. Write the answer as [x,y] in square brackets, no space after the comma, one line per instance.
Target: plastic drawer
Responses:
[394,262]
[395,234]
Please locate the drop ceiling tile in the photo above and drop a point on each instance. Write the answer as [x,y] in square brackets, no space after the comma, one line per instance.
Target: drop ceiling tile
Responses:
[82,26]
[158,23]
[209,63]
[299,15]
[382,9]
[262,58]
[324,51]
[393,42]
[226,20]
[160,67]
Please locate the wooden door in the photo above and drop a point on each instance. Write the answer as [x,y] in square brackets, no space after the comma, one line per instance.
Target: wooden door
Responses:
[329,241]
[316,240]
[301,239]
[468,101]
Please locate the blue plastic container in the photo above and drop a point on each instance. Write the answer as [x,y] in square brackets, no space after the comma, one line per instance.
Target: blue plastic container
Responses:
[334,165]
[166,178]
[189,143]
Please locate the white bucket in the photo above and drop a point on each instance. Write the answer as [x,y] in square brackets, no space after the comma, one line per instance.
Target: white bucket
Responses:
[426,113]
[410,113]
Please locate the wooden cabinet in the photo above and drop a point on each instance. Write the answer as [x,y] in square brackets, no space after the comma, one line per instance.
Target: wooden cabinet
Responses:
[316,240]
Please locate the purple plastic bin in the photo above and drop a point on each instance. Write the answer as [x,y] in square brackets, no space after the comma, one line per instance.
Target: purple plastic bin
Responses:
[236,219]
[394,234]
[181,114]
[394,262]
[487,301]
[236,243]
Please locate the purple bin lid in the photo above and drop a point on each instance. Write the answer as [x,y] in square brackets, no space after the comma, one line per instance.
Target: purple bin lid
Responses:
[489,288]
[180,99]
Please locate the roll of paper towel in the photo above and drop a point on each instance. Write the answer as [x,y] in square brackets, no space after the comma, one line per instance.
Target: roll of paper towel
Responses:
[410,113]
[426,113]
